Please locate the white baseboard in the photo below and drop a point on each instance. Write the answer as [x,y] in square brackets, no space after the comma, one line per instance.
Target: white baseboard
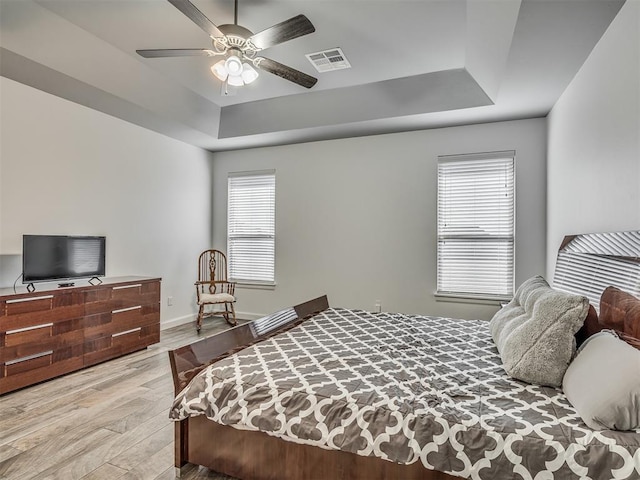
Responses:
[248,315]
[174,322]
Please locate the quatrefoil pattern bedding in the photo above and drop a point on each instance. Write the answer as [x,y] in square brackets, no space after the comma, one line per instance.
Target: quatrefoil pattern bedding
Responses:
[406,389]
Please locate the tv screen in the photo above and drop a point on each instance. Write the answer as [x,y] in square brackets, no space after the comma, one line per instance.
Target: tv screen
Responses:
[61,257]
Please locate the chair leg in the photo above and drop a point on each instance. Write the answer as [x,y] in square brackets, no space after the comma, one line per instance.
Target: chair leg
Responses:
[228,309]
[233,313]
[199,321]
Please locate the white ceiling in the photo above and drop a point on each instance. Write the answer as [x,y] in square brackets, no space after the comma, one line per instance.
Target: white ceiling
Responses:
[415,64]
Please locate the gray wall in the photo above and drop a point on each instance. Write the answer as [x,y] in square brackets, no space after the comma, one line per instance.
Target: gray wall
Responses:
[356,218]
[594,140]
[67,169]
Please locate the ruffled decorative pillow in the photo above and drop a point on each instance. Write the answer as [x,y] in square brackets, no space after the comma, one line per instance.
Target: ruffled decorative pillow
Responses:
[534,333]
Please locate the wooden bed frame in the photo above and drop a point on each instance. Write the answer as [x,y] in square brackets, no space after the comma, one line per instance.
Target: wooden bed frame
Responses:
[256,455]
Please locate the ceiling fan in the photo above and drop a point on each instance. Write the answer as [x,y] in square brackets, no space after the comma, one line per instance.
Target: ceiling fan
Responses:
[239,47]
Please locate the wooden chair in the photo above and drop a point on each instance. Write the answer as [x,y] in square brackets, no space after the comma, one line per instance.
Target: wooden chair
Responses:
[213,288]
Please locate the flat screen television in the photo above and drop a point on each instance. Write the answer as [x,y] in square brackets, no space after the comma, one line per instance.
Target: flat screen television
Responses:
[62,257]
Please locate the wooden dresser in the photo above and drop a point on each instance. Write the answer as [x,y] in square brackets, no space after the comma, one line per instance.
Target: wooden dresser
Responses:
[48,333]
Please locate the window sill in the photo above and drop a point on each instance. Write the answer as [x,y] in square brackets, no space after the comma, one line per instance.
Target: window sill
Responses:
[255,286]
[469,298]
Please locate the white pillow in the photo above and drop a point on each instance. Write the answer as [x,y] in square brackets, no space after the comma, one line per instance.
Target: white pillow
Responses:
[603,383]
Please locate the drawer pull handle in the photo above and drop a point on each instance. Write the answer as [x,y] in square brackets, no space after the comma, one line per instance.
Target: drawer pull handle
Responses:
[26,329]
[120,310]
[30,357]
[128,331]
[30,299]
[127,286]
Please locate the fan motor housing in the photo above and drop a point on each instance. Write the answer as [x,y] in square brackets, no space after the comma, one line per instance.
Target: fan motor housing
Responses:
[232,30]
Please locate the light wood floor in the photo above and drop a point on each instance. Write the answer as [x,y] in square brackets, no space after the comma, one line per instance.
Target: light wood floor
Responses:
[110,421]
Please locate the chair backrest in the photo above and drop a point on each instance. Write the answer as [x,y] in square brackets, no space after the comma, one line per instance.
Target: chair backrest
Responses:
[212,266]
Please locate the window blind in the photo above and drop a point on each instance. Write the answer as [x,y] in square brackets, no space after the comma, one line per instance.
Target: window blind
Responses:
[476,209]
[251,227]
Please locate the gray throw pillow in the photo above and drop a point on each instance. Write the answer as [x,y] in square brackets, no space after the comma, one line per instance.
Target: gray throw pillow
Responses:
[603,383]
[535,332]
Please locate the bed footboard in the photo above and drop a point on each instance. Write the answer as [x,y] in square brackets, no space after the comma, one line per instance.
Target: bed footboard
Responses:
[188,361]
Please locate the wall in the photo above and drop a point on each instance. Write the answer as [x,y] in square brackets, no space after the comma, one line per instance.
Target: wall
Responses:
[67,169]
[594,140]
[356,218]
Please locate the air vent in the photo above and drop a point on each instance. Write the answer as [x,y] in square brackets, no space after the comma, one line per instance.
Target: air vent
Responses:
[327,60]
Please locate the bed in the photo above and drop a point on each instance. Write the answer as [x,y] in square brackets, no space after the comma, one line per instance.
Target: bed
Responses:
[319,392]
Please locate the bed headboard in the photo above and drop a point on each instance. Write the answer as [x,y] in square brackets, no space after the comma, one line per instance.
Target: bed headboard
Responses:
[589,263]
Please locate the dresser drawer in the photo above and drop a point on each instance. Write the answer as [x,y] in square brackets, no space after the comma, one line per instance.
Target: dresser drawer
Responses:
[121,297]
[103,348]
[14,375]
[40,303]
[38,363]
[33,311]
[121,320]
[32,341]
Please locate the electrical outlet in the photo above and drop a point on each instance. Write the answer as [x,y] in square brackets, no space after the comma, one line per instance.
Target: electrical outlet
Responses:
[169,301]
[378,306]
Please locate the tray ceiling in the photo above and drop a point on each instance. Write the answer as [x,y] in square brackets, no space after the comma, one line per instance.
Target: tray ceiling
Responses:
[414,64]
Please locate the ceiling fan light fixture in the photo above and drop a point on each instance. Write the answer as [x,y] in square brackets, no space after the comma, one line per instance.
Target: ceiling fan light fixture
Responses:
[219,70]
[234,72]
[249,74]
[235,80]
[233,65]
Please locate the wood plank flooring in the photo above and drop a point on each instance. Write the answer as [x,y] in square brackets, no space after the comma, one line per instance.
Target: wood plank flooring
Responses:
[106,422]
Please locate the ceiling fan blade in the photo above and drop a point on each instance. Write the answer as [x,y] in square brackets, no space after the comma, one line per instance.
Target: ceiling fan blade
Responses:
[288,73]
[282,32]
[197,17]
[176,52]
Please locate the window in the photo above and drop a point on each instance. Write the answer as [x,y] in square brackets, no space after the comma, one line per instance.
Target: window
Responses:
[476,209]
[251,218]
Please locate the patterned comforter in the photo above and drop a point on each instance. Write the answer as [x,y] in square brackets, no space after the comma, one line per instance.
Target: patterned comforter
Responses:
[406,389]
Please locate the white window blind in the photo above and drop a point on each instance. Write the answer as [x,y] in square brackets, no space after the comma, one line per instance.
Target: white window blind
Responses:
[251,227]
[476,208]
